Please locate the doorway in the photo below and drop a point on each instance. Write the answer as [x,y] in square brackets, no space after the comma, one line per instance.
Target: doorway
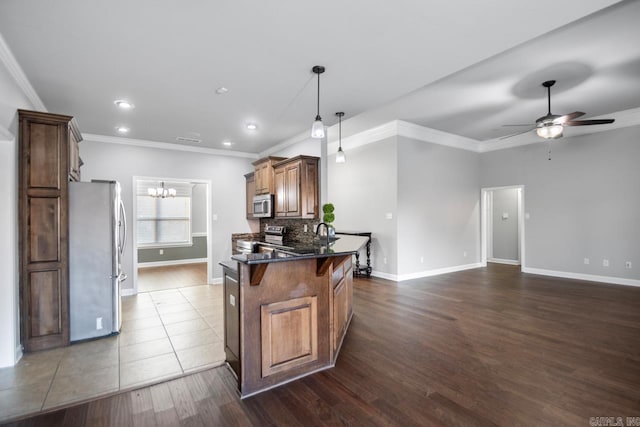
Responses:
[503,228]
[171,234]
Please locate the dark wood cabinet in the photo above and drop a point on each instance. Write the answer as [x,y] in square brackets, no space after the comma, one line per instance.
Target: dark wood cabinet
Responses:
[231,317]
[342,301]
[44,160]
[263,174]
[296,187]
[250,192]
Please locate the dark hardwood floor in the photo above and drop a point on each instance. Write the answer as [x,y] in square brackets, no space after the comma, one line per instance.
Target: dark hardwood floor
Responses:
[475,348]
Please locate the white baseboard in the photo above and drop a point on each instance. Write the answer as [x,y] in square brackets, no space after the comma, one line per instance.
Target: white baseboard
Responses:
[438,271]
[383,275]
[504,261]
[581,276]
[19,353]
[171,262]
[127,292]
[427,273]
[215,281]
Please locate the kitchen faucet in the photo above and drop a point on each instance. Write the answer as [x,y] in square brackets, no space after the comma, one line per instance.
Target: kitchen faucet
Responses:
[326,227]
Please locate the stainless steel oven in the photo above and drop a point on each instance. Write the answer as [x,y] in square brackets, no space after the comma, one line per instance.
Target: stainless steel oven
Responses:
[263,206]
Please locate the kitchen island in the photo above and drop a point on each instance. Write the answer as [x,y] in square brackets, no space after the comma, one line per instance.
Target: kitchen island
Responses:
[286,312]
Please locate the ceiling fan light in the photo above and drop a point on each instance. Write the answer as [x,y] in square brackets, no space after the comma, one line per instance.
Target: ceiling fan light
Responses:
[317,130]
[340,156]
[549,130]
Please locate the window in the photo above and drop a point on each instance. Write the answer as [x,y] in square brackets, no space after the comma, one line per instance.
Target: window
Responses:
[163,222]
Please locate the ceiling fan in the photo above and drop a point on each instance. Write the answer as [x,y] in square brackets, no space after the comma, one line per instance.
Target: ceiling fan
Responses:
[551,125]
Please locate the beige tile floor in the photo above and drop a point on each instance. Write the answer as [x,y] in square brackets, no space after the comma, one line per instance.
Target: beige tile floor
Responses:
[165,334]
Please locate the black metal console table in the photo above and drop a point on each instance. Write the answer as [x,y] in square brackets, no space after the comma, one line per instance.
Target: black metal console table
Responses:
[361,271]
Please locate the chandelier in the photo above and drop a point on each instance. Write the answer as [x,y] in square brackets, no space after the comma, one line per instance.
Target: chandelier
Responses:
[161,192]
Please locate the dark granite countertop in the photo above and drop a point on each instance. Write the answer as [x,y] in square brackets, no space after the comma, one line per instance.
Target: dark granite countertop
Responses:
[231,265]
[291,252]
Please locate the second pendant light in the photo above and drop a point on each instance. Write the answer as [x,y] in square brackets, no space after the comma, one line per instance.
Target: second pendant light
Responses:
[340,156]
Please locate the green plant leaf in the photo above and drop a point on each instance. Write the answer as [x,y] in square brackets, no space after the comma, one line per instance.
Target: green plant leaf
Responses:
[328,208]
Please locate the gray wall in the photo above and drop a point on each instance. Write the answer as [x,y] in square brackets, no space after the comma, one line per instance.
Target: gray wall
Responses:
[197,250]
[438,206]
[364,190]
[123,162]
[583,203]
[505,231]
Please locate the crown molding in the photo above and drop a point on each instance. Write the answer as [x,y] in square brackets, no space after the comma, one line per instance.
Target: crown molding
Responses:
[15,70]
[421,133]
[165,146]
[407,130]
[301,137]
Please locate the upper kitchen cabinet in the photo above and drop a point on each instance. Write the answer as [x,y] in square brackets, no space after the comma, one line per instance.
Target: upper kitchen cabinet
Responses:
[264,174]
[296,182]
[250,192]
[44,170]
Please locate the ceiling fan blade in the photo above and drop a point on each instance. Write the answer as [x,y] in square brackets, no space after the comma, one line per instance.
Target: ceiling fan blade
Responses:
[528,124]
[589,122]
[568,117]
[517,133]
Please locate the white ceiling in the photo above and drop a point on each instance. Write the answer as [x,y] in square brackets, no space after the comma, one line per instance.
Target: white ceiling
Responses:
[461,67]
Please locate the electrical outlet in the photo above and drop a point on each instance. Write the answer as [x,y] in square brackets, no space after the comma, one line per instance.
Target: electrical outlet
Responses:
[384,260]
[389,215]
[464,254]
[605,263]
[161,251]
[627,264]
[98,323]
[586,261]
[421,260]
[215,217]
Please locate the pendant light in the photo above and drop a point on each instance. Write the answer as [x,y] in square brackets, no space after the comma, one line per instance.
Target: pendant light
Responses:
[317,130]
[161,192]
[340,156]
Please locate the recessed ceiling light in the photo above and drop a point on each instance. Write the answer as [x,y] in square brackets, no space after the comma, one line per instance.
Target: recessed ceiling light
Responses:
[252,126]
[227,143]
[125,105]
[222,90]
[122,129]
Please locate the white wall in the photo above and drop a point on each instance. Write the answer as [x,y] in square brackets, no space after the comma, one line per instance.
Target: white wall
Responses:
[11,99]
[199,209]
[364,190]
[583,203]
[122,162]
[505,230]
[438,207]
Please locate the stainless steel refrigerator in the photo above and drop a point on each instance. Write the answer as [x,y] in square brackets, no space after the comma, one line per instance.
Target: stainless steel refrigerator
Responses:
[97,239]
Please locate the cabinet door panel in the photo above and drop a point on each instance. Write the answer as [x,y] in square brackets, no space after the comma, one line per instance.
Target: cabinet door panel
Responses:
[339,313]
[281,193]
[289,334]
[293,190]
[44,156]
[44,230]
[45,310]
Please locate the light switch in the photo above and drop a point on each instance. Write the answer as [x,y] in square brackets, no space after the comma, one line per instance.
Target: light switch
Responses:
[389,215]
[232,300]
[505,215]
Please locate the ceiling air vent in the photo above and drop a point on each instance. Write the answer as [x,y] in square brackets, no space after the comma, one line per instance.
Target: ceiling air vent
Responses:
[188,140]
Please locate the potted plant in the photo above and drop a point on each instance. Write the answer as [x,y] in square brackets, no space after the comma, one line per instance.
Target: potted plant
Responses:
[328,217]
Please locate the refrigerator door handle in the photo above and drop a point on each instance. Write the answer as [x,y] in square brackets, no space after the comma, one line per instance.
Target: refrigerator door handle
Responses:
[123,222]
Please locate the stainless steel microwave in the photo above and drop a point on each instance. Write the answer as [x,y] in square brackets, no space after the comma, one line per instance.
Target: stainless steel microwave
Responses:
[263,206]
